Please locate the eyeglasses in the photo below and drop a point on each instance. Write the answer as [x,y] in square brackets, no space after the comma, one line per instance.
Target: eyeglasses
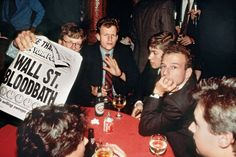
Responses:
[70,44]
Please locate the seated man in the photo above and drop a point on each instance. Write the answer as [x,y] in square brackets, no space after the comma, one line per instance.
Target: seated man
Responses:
[214,127]
[156,45]
[71,36]
[55,131]
[169,110]
[106,57]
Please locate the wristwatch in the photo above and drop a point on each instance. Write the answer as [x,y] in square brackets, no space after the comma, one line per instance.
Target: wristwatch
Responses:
[155,95]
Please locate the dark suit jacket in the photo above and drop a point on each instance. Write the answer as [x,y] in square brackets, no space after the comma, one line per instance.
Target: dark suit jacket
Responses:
[150,17]
[91,73]
[171,115]
[146,83]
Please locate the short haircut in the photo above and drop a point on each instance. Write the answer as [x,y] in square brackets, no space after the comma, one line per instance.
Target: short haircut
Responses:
[161,40]
[72,30]
[107,22]
[179,49]
[51,131]
[218,98]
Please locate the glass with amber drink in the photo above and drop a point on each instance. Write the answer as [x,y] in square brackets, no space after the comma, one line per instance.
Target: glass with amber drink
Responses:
[103,150]
[158,144]
[119,102]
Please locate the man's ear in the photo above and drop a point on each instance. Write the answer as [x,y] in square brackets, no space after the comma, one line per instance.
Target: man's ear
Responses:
[188,73]
[225,139]
[98,36]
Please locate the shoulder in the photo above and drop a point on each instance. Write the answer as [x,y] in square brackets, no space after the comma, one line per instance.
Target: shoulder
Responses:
[122,49]
[183,99]
[90,49]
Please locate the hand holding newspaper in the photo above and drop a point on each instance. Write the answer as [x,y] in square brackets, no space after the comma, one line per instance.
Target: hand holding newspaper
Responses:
[41,75]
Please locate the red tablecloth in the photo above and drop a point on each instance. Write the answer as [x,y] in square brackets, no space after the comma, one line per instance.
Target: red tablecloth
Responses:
[8,141]
[125,135]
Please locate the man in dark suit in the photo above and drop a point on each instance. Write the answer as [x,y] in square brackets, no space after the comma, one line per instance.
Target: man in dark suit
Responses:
[106,56]
[151,74]
[169,110]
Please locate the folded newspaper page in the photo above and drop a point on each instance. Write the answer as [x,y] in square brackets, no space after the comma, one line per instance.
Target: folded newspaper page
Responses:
[42,75]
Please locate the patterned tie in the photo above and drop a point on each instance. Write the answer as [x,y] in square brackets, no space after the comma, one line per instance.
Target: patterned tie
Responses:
[108,82]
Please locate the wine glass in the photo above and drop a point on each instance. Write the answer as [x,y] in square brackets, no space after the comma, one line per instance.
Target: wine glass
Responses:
[158,144]
[103,150]
[119,102]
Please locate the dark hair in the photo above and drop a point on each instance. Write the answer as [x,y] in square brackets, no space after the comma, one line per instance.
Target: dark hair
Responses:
[161,40]
[179,49]
[107,22]
[51,131]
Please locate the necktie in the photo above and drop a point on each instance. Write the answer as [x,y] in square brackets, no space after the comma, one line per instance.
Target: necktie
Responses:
[108,82]
[185,20]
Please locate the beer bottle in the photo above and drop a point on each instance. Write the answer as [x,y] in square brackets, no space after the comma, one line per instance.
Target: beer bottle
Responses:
[99,105]
[91,145]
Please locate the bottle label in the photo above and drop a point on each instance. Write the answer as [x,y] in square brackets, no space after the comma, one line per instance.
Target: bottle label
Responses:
[99,108]
[108,125]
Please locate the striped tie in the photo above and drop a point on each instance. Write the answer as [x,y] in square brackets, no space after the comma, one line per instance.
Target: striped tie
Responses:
[108,82]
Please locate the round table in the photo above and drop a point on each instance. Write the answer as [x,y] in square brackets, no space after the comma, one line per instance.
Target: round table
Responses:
[125,134]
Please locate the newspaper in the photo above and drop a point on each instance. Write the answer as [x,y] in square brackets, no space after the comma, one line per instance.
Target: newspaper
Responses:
[42,75]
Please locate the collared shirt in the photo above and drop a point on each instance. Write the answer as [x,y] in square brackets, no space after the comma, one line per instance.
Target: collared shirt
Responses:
[21,19]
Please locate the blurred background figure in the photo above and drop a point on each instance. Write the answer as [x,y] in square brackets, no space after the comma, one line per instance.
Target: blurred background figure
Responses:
[187,16]
[150,17]
[214,128]
[22,14]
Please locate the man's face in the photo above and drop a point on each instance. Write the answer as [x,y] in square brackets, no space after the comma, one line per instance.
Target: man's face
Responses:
[107,37]
[155,57]
[71,43]
[173,68]
[206,142]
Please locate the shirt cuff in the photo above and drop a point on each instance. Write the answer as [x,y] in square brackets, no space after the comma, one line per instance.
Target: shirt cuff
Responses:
[12,51]
[155,95]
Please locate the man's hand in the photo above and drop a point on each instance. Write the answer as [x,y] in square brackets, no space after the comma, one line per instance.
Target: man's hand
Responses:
[112,66]
[136,113]
[24,40]
[194,13]
[186,40]
[94,91]
[164,85]
[118,152]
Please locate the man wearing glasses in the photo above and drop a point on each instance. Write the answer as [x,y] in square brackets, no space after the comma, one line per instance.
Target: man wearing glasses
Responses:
[71,36]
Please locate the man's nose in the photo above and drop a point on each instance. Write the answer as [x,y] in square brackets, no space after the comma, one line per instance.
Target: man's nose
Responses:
[164,71]
[150,56]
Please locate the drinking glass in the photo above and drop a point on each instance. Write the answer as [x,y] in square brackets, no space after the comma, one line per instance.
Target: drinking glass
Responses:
[103,150]
[158,144]
[119,102]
